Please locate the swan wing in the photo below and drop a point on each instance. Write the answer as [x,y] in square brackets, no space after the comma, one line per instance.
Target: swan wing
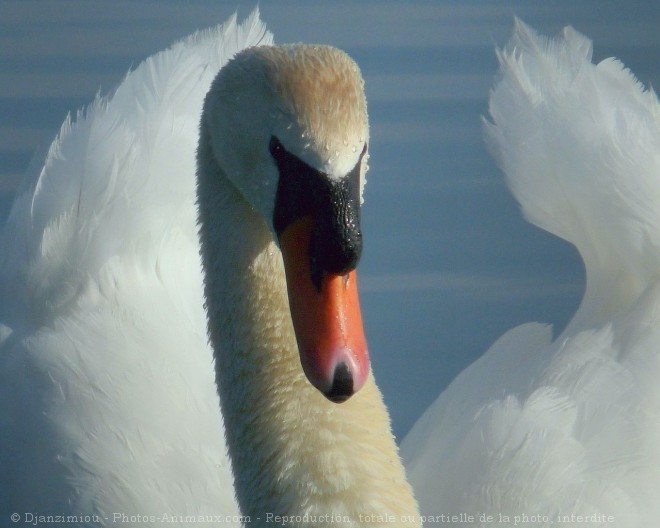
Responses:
[108,402]
[579,144]
[542,432]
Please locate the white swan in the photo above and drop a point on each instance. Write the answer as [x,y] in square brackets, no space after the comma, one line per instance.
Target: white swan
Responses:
[565,432]
[108,405]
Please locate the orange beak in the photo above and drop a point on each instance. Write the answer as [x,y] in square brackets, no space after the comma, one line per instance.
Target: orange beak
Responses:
[327,321]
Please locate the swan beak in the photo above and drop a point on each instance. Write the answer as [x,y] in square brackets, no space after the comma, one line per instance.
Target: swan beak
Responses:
[326,319]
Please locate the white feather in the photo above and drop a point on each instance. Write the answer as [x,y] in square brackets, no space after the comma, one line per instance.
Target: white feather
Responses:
[103,347]
[542,432]
[107,399]
[108,402]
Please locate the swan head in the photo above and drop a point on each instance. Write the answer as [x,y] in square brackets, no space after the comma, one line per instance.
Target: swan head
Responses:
[288,126]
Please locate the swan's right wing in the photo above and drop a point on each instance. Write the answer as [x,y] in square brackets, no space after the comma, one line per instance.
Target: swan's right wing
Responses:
[108,401]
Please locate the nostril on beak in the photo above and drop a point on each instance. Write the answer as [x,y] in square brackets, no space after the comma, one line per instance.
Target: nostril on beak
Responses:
[342,384]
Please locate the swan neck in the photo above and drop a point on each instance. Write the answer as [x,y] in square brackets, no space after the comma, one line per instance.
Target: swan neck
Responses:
[293,452]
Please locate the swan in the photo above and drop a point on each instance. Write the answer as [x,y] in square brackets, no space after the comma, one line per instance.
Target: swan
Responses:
[109,390]
[109,408]
[563,432]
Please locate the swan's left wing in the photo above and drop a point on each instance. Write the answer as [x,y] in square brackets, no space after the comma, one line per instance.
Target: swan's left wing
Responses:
[565,433]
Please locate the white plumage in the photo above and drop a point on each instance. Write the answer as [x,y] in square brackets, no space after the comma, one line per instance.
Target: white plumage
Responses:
[108,404]
[102,305]
[102,322]
[546,431]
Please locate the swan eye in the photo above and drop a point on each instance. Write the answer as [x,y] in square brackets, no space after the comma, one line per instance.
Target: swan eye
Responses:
[334,204]
[275,147]
[298,184]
